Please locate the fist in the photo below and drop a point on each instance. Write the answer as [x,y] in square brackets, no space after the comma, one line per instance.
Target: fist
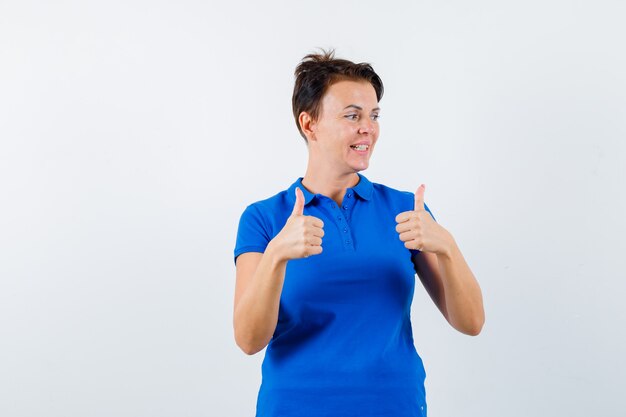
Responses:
[418,230]
[302,235]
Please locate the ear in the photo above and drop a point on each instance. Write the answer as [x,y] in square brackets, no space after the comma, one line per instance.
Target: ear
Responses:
[307,124]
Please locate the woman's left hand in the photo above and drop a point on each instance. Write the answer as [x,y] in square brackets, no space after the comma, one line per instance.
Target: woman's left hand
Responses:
[418,230]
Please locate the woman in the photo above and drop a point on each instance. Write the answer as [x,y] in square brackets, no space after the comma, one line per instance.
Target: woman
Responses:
[326,269]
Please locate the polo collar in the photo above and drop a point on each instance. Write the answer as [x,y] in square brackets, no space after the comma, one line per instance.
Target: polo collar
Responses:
[291,192]
[363,189]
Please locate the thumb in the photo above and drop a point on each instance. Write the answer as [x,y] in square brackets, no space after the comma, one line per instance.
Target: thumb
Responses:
[298,207]
[419,198]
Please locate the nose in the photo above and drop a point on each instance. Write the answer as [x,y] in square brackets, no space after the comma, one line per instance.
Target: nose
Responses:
[367,126]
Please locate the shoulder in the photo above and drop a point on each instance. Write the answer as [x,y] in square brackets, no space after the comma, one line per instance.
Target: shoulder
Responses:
[392,196]
[269,213]
[391,192]
[399,199]
[269,205]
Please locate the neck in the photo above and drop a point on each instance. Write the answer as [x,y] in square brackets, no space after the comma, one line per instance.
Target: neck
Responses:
[328,182]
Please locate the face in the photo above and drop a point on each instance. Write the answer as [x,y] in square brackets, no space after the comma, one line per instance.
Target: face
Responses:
[347,127]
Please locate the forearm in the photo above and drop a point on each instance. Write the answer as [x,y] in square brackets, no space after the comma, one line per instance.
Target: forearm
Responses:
[463,297]
[256,314]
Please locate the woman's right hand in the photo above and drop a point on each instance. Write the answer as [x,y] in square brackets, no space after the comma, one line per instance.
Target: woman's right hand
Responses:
[301,236]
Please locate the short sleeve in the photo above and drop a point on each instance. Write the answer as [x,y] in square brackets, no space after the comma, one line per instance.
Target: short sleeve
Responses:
[252,234]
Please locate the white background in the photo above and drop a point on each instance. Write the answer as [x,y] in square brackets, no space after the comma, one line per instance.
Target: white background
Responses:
[134,133]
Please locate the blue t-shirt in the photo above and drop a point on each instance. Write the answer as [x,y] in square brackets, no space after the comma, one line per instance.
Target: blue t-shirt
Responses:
[343,345]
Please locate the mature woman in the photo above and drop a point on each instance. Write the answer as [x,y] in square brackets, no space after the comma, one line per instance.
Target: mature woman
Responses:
[336,321]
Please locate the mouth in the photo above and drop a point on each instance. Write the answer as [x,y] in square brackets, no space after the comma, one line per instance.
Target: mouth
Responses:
[360,148]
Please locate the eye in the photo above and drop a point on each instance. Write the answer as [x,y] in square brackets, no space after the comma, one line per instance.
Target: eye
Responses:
[351,116]
[375,117]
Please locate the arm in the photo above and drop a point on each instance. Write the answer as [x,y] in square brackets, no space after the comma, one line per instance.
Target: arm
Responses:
[260,277]
[452,287]
[442,268]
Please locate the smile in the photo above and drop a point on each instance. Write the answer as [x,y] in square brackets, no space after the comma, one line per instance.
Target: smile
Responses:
[360,147]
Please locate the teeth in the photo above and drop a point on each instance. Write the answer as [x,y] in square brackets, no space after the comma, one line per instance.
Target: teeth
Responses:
[360,147]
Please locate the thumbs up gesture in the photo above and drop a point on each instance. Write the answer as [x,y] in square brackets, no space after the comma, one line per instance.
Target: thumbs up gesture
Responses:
[302,235]
[418,230]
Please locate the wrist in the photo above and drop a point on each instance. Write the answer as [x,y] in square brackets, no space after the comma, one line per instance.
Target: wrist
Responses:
[274,253]
[449,245]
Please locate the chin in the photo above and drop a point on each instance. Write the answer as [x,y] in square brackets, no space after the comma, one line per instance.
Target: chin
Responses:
[360,166]
[356,164]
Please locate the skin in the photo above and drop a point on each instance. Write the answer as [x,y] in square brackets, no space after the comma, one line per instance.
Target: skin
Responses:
[349,115]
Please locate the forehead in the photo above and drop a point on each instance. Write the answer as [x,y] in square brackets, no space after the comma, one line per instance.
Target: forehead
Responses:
[346,92]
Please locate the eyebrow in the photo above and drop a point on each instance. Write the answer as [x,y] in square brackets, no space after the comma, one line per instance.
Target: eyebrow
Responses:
[359,107]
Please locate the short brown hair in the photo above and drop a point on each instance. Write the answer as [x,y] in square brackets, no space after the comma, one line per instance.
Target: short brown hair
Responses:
[317,72]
